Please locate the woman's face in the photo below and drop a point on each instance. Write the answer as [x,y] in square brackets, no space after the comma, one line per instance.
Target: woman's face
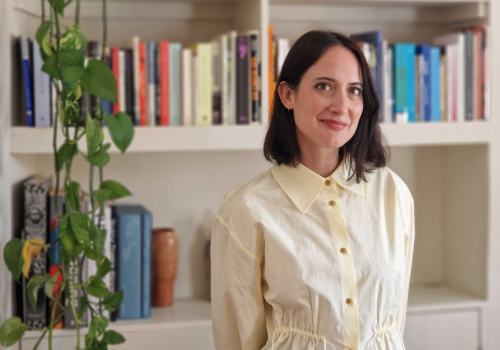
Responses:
[328,102]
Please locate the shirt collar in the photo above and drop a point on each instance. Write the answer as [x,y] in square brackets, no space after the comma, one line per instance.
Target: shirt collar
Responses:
[303,185]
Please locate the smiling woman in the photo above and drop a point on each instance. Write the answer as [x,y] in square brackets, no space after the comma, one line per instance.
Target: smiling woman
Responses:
[316,252]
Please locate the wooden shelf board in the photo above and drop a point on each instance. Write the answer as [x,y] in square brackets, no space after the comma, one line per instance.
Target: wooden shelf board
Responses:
[24,140]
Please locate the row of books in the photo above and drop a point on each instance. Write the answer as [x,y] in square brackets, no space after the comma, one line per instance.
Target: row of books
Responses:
[447,80]
[128,247]
[163,83]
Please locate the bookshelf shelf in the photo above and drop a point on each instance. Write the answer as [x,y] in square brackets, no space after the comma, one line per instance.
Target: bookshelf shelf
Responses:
[24,140]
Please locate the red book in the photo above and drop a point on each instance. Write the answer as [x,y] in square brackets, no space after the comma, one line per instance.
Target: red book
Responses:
[143,117]
[115,64]
[164,83]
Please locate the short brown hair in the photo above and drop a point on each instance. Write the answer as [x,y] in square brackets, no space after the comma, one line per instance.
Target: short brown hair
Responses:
[366,145]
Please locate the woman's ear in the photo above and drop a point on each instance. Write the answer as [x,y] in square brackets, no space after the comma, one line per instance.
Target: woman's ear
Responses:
[286,95]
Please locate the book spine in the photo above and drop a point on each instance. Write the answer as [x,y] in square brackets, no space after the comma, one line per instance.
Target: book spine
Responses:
[216,86]
[146,264]
[477,73]
[116,73]
[122,85]
[254,78]
[26,67]
[194,85]
[151,74]
[443,87]
[426,84]
[94,51]
[175,83]
[400,88]
[223,77]
[389,117]
[469,75]
[164,82]
[450,56]
[187,93]
[135,50]
[242,80]
[435,70]
[410,81]
[157,85]
[204,103]
[35,226]
[107,248]
[129,84]
[486,73]
[113,257]
[107,105]
[55,262]
[41,90]
[143,117]
[129,265]
[233,88]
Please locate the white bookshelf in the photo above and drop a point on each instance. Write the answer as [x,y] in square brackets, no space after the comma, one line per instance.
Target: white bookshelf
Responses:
[181,173]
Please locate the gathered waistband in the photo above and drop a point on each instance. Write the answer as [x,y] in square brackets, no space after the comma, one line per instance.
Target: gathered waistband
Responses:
[301,332]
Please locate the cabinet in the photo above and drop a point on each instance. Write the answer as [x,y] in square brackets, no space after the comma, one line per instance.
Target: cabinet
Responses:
[182,173]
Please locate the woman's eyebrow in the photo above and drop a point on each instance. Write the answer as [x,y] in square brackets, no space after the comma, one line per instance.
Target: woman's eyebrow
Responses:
[335,80]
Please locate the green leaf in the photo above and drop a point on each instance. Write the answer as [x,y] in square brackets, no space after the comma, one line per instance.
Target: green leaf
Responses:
[73,195]
[121,130]
[13,256]
[32,288]
[98,326]
[11,331]
[99,80]
[117,189]
[113,337]
[99,240]
[58,6]
[82,307]
[71,246]
[100,158]
[103,266]
[113,301]
[42,37]
[91,253]
[80,223]
[66,152]
[94,135]
[96,287]
[51,284]
[72,66]
[73,39]
[101,196]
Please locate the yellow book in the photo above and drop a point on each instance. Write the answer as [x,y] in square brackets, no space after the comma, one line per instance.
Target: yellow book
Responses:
[203,73]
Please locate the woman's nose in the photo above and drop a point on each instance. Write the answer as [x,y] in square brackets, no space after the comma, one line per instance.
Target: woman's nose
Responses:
[338,104]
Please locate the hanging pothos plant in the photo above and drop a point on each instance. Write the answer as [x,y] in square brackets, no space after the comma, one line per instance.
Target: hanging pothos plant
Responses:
[79,237]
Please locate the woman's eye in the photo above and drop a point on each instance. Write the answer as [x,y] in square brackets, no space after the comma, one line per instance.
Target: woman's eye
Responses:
[356,91]
[323,86]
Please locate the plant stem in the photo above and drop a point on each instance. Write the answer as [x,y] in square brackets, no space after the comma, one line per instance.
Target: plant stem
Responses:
[77,14]
[43,11]
[73,281]
[54,145]
[40,339]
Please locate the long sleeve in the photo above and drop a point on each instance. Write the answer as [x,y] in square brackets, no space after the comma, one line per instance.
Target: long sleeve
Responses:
[238,316]
[410,238]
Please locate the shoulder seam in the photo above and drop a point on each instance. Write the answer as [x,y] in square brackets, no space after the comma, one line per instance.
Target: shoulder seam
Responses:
[236,239]
[232,192]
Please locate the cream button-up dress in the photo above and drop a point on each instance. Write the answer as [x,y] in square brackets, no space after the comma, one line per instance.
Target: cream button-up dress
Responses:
[302,262]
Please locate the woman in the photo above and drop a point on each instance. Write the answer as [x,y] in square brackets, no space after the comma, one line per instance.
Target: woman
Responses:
[316,252]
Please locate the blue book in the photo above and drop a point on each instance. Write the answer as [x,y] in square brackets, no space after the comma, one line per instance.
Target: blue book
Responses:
[425,94]
[26,67]
[375,41]
[147,258]
[410,50]
[435,76]
[128,236]
[174,69]
[400,88]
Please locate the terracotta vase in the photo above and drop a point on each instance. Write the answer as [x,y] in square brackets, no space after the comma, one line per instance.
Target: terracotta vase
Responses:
[165,258]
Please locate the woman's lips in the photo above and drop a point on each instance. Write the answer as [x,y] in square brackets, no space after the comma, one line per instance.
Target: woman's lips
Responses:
[333,124]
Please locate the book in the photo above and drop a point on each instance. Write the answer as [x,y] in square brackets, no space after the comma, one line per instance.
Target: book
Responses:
[164,83]
[129,84]
[27,85]
[36,195]
[242,84]
[469,75]
[232,50]
[175,82]
[216,83]
[222,76]
[404,76]
[133,43]
[41,90]
[107,105]
[423,51]
[435,86]
[186,91]
[94,51]
[253,51]
[122,85]
[283,49]
[271,77]
[151,80]
[203,91]
[143,113]
[115,59]
[389,86]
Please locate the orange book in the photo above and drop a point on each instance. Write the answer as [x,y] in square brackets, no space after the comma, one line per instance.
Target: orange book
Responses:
[271,70]
[115,62]
[143,118]
[164,83]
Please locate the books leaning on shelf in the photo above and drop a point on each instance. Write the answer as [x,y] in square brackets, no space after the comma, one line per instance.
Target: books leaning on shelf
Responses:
[128,247]
[162,83]
[445,81]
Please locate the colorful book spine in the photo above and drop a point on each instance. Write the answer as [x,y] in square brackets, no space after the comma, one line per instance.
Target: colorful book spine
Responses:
[469,75]
[113,257]
[242,70]
[204,88]
[134,44]
[410,50]
[107,105]
[216,85]
[223,71]
[435,89]
[253,45]
[41,90]
[175,83]
[232,53]
[424,51]
[147,256]
[122,86]
[26,68]
[151,73]
[116,72]
[129,84]
[271,78]
[164,83]
[187,93]
[143,116]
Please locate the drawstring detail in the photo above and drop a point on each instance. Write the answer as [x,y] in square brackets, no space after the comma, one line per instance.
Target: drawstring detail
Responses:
[311,336]
[387,329]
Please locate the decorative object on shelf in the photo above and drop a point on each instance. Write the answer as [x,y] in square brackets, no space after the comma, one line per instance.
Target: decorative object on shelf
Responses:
[207,269]
[165,258]
[80,234]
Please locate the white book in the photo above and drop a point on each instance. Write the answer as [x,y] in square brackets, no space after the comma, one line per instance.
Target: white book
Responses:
[459,40]
[283,49]
[41,90]
[121,72]
[187,87]
[389,92]
[194,85]
[450,88]
[134,44]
